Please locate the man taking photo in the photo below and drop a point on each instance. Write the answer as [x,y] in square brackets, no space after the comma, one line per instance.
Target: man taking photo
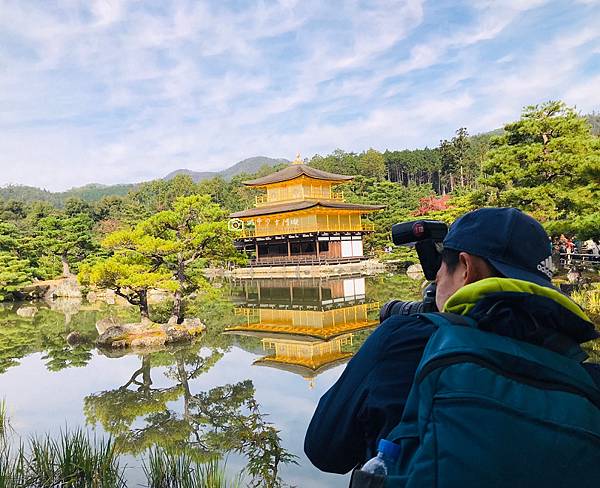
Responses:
[520,340]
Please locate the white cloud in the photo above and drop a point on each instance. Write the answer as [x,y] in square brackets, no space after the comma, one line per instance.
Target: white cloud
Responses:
[113,91]
[107,11]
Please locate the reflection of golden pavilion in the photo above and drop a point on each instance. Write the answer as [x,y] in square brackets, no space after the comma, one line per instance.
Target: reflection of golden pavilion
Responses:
[302,219]
[306,358]
[306,326]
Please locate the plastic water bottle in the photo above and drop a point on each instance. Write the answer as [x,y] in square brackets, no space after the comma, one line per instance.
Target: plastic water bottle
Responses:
[387,455]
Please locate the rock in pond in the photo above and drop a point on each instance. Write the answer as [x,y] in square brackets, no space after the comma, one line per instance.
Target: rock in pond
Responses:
[177,334]
[27,312]
[106,323]
[75,338]
[149,335]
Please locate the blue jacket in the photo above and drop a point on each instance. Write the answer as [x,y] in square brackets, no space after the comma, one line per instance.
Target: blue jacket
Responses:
[368,399]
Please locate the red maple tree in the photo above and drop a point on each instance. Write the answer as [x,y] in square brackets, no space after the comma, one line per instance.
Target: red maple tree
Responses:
[431,204]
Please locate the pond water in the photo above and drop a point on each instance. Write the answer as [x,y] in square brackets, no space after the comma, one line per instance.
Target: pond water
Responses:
[245,391]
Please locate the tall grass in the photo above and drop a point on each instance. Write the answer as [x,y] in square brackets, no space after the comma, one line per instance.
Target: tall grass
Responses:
[73,461]
[13,468]
[76,460]
[165,470]
[589,299]
[4,425]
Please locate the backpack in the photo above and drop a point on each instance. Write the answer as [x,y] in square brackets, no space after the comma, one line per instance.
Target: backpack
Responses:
[489,411]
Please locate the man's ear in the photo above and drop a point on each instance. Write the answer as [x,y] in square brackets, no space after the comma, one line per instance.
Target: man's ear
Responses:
[465,267]
[473,268]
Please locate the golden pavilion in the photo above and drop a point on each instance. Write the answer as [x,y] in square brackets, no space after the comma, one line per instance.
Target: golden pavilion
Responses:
[305,326]
[302,218]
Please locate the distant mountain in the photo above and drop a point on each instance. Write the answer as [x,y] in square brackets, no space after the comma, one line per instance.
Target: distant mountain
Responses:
[194,175]
[94,192]
[249,165]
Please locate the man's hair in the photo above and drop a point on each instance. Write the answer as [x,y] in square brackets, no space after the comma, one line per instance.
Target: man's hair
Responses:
[450,257]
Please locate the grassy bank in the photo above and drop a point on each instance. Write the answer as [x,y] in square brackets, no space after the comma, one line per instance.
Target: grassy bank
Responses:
[78,460]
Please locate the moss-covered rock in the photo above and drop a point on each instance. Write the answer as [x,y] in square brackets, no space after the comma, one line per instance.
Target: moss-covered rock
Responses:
[149,334]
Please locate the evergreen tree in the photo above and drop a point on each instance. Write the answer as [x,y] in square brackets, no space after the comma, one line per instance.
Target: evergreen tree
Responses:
[371,164]
[130,273]
[76,206]
[338,161]
[15,273]
[192,235]
[68,239]
[547,163]
[15,269]
[158,195]
[166,251]
[400,202]
[454,160]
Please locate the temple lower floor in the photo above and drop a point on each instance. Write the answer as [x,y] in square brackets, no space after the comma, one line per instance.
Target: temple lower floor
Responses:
[308,249]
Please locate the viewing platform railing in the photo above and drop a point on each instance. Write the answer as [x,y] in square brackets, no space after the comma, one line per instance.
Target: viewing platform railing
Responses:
[567,259]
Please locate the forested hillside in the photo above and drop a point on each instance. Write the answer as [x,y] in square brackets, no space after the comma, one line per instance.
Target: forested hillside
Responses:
[88,193]
[546,163]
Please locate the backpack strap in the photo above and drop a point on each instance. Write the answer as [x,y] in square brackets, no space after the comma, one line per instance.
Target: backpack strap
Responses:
[561,344]
[520,360]
[443,319]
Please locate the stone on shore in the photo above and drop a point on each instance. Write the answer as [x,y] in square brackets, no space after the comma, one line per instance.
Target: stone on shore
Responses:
[415,272]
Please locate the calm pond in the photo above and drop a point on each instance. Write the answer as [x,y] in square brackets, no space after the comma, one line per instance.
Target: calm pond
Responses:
[271,349]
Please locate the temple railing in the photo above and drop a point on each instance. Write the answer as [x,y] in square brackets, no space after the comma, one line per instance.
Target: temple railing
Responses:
[305,229]
[294,196]
[307,260]
[255,312]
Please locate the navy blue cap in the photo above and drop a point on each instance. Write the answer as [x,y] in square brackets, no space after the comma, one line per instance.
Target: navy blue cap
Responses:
[514,243]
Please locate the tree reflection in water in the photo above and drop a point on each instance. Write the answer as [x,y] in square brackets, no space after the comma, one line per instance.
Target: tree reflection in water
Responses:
[45,330]
[207,425]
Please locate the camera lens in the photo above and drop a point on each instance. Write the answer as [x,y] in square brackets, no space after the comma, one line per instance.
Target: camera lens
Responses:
[399,307]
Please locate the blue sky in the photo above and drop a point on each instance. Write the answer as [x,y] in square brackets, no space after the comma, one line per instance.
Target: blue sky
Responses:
[115,91]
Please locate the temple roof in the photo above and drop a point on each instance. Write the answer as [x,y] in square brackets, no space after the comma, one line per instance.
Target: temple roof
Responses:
[300,333]
[305,370]
[303,205]
[295,171]
[260,333]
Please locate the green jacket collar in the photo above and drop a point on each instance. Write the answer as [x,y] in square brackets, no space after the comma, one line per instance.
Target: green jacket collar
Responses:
[465,298]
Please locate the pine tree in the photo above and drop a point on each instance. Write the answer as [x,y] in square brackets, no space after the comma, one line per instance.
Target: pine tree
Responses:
[15,273]
[547,163]
[166,251]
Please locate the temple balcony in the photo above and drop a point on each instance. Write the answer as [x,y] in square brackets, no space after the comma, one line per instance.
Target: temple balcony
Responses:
[292,194]
[334,225]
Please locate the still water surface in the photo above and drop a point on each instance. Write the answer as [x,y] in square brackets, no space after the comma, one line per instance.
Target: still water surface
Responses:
[271,349]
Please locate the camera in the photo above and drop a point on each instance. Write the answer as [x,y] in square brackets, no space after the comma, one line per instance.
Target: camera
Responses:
[427,237]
